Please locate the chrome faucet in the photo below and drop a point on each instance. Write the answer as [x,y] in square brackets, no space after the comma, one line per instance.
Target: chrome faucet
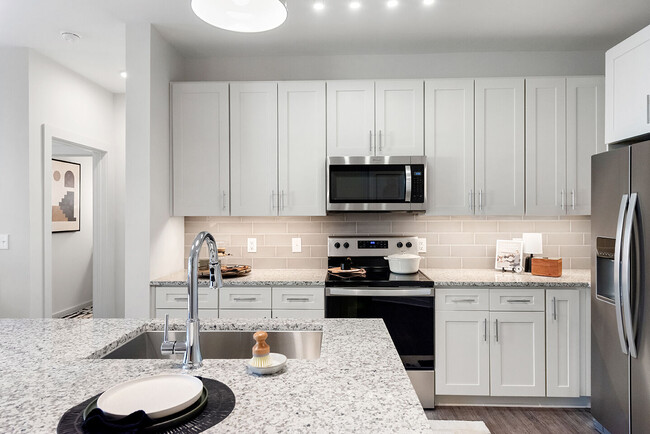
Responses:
[191,347]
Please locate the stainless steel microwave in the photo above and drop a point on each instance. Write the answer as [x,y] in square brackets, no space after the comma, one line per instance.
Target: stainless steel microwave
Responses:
[376,184]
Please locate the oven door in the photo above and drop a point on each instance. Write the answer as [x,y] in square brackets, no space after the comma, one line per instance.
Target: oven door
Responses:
[369,184]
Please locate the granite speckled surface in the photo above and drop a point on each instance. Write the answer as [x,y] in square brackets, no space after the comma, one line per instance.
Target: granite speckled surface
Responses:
[446,278]
[357,385]
[257,277]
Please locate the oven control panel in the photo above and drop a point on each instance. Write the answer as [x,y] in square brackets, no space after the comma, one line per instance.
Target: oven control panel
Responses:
[371,245]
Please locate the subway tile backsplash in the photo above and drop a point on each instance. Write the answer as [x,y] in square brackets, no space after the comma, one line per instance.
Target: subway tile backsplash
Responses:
[452,242]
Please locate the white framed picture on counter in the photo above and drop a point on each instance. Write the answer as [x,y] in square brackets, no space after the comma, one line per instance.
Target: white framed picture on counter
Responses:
[509,255]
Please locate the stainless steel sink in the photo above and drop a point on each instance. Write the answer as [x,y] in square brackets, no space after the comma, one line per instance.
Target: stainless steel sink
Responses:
[223,344]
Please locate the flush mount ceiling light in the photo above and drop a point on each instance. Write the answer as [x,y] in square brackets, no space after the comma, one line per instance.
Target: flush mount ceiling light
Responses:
[70,37]
[247,16]
[319,5]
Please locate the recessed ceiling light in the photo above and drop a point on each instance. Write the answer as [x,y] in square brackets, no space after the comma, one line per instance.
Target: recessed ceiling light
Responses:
[392,3]
[70,36]
[123,74]
[355,4]
[241,15]
[319,5]
[428,2]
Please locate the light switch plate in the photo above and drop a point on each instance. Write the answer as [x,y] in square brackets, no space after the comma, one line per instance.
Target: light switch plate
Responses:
[422,245]
[252,245]
[4,241]
[296,245]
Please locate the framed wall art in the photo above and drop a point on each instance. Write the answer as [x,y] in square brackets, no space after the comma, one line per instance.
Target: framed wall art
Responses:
[66,196]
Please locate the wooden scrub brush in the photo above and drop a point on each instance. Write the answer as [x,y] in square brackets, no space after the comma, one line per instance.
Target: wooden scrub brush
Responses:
[261,351]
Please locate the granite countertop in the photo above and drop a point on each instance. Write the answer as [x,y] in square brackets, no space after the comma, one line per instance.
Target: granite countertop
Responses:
[257,277]
[357,385]
[492,278]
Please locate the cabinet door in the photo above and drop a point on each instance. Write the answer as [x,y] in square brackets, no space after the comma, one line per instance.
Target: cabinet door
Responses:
[449,146]
[301,146]
[200,148]
[350,118]
[563,342]
[517,354]
[546,146]
[585,137]
[399,122]
[627,72]
[499,138]
[254,148]
[462,353]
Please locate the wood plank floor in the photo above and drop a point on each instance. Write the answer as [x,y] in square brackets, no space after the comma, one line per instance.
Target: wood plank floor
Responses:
[512,420]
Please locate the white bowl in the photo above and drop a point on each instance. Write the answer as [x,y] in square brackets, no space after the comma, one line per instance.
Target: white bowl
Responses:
[403,263]
[277,363]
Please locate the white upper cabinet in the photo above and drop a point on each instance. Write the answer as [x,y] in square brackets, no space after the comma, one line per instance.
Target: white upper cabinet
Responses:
[200,146]
[449,146]
[499,146]
[545,146]
[399,117]
[254,148]
[301,146]
[585,137]
[350,118]
[627,72]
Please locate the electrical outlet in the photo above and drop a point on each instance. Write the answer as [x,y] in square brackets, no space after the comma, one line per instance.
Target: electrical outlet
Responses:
[296,245]
[4,241]
[422,245]
[252,245]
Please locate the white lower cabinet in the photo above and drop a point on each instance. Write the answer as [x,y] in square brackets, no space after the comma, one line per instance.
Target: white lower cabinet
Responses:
[563,343]
[462,353]
[517,354]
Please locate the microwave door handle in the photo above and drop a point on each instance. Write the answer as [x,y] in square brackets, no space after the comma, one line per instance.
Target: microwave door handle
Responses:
[625,275]
[409,182]
[617,273]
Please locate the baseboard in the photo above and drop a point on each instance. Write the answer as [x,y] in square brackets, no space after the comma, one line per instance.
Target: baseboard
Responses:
[69,310]
[501,401]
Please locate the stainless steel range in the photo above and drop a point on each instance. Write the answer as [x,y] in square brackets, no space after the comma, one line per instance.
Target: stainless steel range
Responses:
[404,301]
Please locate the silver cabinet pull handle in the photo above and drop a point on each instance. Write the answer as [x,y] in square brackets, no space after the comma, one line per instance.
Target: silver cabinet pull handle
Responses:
[180,298]
[480,200]
[379,141]
[562,199]
[554,310]
[496,326]
[463,300]
[225,195]
[485,329]
[297,298]
[370,136]
[244,298]
[281,199]
[470,199]
[518,300]
[273,200]
[573,199]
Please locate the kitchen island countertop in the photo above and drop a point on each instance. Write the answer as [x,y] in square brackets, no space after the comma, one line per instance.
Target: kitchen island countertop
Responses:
[357,385]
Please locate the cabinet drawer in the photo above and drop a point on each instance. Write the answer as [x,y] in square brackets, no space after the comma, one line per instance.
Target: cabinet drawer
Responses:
[176,298]
[303,314]
[245,298]
[298,298]
[244,313]
[462,299]
[182,313]
[517,300]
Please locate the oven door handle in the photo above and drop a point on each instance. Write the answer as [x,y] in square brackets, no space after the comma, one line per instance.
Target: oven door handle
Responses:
[380,292]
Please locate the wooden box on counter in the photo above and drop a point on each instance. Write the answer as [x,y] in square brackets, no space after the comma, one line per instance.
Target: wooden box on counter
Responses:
[546,267]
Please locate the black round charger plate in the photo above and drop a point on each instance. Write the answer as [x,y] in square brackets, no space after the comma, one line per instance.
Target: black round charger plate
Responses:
[220,403]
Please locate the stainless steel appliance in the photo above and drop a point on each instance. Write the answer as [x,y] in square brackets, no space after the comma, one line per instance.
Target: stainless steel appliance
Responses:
[404,301]
[620,300]
[376,183]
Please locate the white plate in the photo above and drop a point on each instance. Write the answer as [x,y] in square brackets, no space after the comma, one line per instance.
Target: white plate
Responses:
[277,362]
[158,396]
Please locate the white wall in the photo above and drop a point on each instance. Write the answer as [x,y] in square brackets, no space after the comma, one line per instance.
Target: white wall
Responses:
[14,187]
[397,66]
[119,192]
[72,252]
[154,240]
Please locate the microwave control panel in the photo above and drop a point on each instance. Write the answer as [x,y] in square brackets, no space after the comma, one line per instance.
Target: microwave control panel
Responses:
[417,183]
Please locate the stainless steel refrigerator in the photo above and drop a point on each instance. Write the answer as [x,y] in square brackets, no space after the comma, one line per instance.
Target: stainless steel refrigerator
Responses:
[620,298]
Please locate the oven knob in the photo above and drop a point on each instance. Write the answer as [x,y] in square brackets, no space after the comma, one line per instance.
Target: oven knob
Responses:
[337,245]
[399,244]
[346,245]
[409,245]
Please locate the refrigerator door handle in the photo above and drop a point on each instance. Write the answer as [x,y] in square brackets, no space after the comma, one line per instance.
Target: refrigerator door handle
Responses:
[617,273]
[625,275]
